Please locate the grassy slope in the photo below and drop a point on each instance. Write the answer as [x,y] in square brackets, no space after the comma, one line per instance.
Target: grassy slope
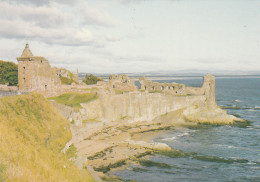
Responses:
[74,99]
[32,134]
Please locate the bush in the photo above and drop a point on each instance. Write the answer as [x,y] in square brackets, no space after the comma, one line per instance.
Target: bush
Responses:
[8,73]
[67,81]
[91,79]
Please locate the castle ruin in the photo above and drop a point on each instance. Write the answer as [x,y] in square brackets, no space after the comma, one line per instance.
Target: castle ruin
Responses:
[36,74]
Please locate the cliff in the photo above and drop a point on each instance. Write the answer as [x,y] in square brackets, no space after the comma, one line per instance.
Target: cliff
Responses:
[32,135]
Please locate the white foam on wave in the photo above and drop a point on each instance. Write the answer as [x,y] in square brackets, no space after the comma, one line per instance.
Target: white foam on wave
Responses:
[233,147]
[237,100]
[169,139]
[175,137]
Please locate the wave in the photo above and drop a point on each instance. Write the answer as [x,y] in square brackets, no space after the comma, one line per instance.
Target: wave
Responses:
[237,100]
[175,137]
[234,107]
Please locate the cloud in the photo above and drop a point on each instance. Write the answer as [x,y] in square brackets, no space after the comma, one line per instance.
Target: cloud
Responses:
[50,24]
[43,16]
[94,16]
[42,2]
[112,38]
[27,30]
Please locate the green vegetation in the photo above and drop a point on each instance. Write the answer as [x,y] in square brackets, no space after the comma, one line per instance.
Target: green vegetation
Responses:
[67,81]
[71,152]
[115,179]
[124,117]
[8,73]
[144,154]
[155,91]
[2,172]
[137,169]
[105,169]
[101,153]
[219,159]
[173,153]
[120,91]
[91,79]
[74,99]
[32,135]
[149,163]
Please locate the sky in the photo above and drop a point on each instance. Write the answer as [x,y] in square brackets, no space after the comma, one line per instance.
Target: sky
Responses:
[133,36]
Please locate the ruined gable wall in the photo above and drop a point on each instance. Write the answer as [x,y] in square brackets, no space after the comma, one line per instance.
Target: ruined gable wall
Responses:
[121,82]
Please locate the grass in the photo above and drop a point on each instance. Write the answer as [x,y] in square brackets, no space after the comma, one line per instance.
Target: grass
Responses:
[71,152]
[75,99]
[123,117]
[120,91]
[32,135]
[2,172]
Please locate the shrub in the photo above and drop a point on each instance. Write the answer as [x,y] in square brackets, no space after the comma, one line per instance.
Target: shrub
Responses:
[67,81]
[91,79]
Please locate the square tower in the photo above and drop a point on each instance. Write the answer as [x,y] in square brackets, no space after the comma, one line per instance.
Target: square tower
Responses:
[36,74]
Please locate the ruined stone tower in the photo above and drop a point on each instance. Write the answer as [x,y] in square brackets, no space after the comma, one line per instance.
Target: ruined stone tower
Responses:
[36,74]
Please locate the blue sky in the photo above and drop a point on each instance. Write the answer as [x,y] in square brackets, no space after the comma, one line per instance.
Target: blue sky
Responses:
[101,36]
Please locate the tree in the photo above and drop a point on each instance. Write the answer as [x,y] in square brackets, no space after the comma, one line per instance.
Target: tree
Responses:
[8,73]
[91,79]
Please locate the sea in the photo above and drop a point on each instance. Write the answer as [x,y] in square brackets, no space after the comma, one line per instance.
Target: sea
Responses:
[218,153]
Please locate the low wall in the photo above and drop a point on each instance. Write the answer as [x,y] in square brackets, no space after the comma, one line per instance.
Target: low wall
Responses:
[8,93]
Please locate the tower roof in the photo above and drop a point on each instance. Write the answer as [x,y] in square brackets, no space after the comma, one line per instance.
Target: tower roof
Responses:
[27,52]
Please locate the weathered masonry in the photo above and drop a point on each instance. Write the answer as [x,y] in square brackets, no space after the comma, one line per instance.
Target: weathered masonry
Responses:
[36,74]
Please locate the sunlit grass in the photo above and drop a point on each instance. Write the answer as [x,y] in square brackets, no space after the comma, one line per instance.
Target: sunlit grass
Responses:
[75,99]
[32,135]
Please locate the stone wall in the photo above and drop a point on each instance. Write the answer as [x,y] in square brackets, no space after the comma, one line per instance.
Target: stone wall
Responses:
[136,106]
[144,106]
[177,88]
[118,82]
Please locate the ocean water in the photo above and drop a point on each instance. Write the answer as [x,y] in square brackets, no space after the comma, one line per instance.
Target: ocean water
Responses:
[219,153]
